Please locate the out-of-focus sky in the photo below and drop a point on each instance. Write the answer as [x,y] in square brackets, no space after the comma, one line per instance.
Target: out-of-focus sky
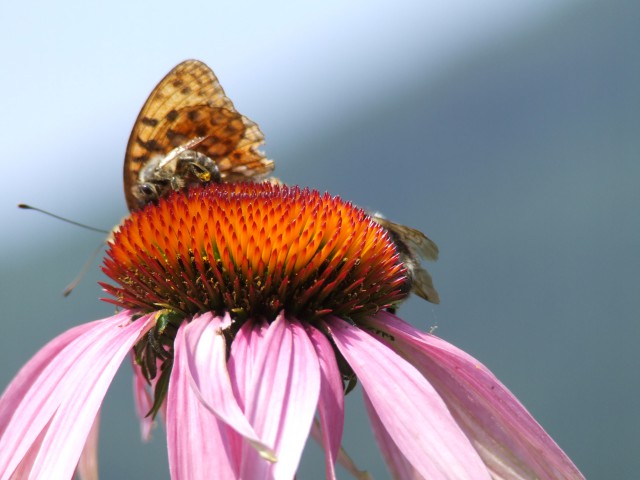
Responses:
[507,131]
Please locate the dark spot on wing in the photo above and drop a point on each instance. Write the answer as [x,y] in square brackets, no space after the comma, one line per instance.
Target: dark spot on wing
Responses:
[151,145]
[234,127]
[177,83]
[171,134]
[186,90]
[172,115]
[151,122]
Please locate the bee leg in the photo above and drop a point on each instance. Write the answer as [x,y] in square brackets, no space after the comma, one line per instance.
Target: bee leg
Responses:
[206,170]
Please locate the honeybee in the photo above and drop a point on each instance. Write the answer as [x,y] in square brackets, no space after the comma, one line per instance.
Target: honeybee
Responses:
[413,246]
[188,132]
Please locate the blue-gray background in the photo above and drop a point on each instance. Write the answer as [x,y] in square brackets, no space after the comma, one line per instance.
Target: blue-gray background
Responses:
[507,131]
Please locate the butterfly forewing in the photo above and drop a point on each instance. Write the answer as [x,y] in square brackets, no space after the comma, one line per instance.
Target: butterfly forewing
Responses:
[187,104]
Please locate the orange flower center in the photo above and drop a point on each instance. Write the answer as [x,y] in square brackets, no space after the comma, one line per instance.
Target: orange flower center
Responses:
[254,250]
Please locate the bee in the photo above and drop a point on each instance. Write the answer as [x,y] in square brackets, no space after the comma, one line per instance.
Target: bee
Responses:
[413,246]
[188,132]
[179,169]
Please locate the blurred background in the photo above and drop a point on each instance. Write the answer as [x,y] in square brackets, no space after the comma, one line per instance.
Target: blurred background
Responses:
[509,132]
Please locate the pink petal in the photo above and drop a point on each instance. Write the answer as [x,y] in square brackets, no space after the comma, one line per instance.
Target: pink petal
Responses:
[411,411]
[244,350]
[331,402]
[23,470]
[197,442]
[87,468]
[398,464]
[66,397]
[510,441]
[280,395]
[28,374]
[207,365]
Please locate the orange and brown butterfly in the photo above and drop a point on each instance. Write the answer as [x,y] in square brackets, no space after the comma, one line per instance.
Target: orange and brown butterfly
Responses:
[189,132]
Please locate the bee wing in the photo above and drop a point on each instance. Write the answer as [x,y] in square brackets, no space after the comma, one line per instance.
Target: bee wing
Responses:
[415,240]
[413,245]
[175,153]
[190,105]
[422,285]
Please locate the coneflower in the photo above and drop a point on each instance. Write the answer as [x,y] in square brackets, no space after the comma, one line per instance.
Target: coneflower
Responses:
[249,310]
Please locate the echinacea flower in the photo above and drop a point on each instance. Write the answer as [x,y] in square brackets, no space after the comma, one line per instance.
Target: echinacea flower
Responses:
[250,309]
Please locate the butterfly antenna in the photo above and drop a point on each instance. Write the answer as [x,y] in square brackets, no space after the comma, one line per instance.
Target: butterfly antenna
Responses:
[85,268]
[94,229]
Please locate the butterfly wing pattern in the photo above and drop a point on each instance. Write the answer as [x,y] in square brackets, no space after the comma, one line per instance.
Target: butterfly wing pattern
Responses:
[189,107]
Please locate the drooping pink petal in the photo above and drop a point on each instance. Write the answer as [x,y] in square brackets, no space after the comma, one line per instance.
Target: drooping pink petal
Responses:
[28,398]
[67,396]
[331,401]
[411,411]
[28,374]
[244,351]
[510,441]
[87,468]
[143,400]
[207,365]
[26,464]
[197,442]
[282,396]
[398,464]
[75,416]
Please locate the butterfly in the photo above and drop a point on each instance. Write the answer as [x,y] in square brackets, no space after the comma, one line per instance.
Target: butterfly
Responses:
[188,132]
